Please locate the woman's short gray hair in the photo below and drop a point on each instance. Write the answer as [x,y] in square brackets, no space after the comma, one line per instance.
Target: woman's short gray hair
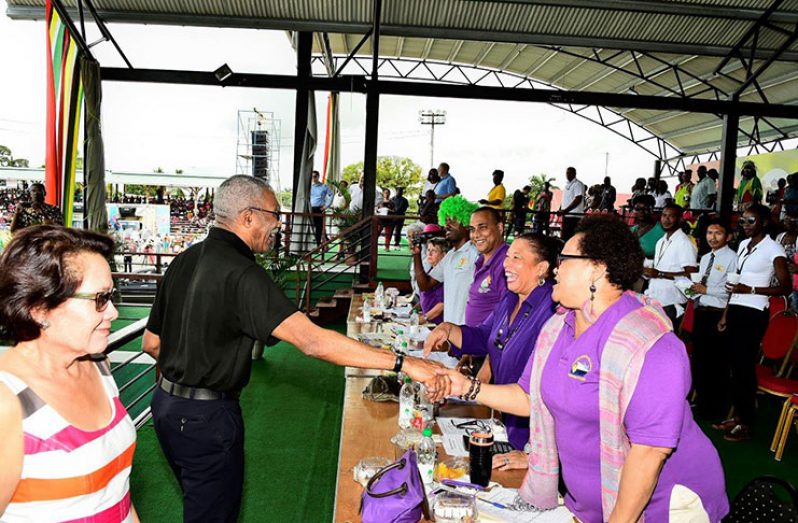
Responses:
[414,228]
[238,193]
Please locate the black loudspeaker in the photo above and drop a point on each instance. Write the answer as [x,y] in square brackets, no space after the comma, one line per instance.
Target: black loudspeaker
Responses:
[126,212]
[260,154]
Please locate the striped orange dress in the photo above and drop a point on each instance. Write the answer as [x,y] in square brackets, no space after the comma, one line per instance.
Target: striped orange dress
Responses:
[69,474]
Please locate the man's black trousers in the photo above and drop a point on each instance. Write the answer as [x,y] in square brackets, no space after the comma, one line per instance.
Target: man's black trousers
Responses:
[204,444]
[318,223]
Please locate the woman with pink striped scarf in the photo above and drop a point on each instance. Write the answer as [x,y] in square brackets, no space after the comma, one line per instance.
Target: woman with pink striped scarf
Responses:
[606,390]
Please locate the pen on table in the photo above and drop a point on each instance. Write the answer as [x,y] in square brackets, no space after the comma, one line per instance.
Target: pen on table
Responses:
[497,505]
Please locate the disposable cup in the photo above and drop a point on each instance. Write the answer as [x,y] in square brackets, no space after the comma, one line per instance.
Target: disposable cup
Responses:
[732,278]
[695,277]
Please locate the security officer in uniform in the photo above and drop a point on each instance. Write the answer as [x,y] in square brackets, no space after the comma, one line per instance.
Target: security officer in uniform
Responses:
[212,304]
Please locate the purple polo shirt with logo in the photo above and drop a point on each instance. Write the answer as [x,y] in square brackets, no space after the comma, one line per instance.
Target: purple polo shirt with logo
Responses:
[509,345]
[488,287]
[658,416]
[431,298]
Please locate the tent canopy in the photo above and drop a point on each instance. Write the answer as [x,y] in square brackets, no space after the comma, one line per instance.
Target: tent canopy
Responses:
[689,48]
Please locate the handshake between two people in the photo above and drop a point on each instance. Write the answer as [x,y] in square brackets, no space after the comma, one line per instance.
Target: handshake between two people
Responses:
[440,381]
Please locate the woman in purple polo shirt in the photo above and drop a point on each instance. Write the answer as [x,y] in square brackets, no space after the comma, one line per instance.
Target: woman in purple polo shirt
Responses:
[431,301]
[504,337]
[606,394]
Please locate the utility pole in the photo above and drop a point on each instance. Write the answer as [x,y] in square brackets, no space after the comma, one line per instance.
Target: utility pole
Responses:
[432,118]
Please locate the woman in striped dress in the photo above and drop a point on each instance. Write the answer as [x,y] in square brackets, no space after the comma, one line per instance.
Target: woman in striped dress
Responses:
[66,441]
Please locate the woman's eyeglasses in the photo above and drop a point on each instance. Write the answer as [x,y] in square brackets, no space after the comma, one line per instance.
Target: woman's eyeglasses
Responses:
[564,257]
[100,299]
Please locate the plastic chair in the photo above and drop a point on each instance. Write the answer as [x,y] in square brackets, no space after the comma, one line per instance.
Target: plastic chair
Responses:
[760,500]
[686,326]
[783,430]
[777,346]
[777,305]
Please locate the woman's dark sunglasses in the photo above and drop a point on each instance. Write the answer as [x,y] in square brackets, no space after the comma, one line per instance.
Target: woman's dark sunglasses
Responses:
[100,299]
[751,220]
[563,257]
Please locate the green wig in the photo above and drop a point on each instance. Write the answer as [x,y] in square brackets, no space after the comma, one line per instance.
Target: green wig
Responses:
[458,209]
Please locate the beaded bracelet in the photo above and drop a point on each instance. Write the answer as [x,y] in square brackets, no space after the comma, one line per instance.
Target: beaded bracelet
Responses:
[465,396]
[476,391]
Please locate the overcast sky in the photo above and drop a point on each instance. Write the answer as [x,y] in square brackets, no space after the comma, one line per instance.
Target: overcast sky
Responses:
[195,128]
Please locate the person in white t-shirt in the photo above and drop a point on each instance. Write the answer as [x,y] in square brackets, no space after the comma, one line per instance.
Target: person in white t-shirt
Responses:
[456,269]
[675,257]
[573,204]
[662,196]
[704,192]
[760,262]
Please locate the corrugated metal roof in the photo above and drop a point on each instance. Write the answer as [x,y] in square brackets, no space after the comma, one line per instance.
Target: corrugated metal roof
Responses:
[651,47]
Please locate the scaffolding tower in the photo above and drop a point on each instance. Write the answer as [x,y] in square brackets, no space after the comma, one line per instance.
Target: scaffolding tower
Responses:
[258,147]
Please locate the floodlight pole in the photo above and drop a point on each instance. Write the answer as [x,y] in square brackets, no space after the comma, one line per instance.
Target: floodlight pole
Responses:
[432,118]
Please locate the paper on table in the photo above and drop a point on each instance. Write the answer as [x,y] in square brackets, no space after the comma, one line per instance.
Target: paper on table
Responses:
[453,445]
[441,357]
[506,496]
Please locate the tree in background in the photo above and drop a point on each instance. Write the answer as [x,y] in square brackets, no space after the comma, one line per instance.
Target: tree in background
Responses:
[7,159]
[538,182]
[392,172]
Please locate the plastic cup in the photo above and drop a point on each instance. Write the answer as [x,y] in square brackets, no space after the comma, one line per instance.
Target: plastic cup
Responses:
[695,277]
[732,278]
[648,264]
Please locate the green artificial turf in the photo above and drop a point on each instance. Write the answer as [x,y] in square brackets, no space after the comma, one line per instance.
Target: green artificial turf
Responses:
[292,414]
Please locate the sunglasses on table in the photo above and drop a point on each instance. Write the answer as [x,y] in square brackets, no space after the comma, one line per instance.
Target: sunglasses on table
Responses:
[564,257]
[100,299]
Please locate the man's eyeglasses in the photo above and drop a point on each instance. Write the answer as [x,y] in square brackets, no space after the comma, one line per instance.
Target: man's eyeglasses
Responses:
[100,299]
[276,214]
[564,257]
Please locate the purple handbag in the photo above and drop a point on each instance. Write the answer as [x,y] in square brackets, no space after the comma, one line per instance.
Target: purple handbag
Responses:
[395,494]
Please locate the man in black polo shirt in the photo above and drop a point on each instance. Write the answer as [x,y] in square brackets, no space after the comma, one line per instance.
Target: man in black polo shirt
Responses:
[212,304]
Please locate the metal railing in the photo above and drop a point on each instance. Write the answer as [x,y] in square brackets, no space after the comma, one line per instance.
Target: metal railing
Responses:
[351,248]
[117,340]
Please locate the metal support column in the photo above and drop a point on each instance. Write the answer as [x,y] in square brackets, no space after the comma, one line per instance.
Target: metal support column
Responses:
[372,127]
[372,120]
[728,157]
[303,52]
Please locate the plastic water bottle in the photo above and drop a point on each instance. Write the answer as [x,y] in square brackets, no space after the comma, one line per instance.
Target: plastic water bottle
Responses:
[400,345]
[366,311]
[424,407]
[407,400]
[425,451]
[413,323]
[379,296]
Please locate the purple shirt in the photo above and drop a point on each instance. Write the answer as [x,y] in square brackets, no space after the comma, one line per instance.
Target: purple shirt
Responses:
[658,415]
[487,288]
[431,298]
[517,341]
